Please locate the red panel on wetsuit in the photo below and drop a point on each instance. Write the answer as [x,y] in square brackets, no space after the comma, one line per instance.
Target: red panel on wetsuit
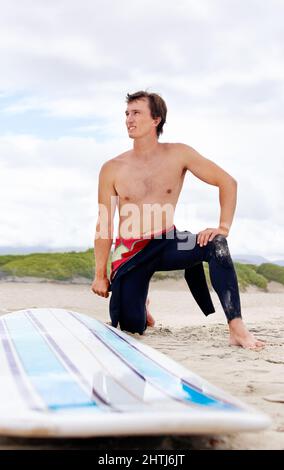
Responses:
[125,248]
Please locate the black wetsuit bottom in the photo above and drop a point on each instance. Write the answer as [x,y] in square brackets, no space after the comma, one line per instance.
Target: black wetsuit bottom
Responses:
[177,255]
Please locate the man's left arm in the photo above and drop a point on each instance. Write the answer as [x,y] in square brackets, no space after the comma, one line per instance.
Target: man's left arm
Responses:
[210,173]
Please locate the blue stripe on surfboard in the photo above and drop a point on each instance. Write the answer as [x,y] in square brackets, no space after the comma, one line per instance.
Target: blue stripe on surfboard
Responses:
[64,357]
[189,388]
[15,369]
[146,368]
[47,374]
[128,393]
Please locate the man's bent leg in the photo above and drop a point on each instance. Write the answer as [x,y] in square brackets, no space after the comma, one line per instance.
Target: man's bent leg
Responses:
[223,278]
[221,268]
[133,296]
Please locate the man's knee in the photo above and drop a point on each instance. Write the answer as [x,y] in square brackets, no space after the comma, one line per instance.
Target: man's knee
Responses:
[220,250]
[133,325]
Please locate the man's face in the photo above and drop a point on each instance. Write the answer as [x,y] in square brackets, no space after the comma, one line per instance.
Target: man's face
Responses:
[139,121]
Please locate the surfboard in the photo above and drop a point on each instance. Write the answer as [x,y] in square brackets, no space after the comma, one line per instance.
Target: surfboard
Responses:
[67,374]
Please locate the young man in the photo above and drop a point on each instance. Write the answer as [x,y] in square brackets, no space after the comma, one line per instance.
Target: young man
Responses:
[145,183]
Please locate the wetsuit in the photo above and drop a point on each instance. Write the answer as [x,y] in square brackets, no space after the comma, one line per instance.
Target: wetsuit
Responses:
[135,262]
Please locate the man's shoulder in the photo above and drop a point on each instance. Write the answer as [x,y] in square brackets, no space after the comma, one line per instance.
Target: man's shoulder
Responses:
[180,145]
[176,147]
[113,162]
[178,151]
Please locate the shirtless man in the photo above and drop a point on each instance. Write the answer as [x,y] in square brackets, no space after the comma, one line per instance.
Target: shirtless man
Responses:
[152,174]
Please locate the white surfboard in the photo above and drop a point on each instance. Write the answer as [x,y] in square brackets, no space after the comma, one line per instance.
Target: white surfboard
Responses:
[66,374]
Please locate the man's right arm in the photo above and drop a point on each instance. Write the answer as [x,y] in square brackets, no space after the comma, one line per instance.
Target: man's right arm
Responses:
[107,198]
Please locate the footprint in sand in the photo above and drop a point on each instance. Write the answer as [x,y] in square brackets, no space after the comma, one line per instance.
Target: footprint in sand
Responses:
[276,398]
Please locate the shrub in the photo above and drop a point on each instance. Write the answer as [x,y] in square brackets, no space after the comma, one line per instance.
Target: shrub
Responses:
[272,272]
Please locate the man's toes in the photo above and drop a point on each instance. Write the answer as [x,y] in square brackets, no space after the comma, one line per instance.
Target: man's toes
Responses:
[257,345]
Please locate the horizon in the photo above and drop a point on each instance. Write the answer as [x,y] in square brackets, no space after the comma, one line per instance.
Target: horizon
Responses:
[64,249]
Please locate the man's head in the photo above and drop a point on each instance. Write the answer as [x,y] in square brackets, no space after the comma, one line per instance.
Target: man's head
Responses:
[146,110]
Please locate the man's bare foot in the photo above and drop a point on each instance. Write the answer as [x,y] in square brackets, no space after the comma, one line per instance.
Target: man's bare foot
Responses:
[150,319]
[240,336]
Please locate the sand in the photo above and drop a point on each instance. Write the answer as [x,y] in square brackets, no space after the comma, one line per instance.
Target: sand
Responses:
[199,343]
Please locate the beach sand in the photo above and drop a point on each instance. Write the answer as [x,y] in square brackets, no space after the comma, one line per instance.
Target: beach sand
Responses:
[183,333]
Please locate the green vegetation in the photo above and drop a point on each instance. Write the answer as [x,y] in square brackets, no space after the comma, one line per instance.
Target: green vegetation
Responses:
[247,275]
[70,265]
[6,258]
[57,266]
[272,272]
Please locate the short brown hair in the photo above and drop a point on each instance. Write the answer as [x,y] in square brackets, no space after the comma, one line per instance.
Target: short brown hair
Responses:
[157,106]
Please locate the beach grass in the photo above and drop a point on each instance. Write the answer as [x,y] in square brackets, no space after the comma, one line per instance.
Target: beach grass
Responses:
[56,266]
[248,275]
[4,259]
[272,272]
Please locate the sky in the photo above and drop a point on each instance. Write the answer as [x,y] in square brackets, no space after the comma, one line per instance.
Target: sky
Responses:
[66,67]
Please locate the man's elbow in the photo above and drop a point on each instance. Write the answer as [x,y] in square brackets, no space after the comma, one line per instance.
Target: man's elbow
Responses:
[228,183]
[233,186]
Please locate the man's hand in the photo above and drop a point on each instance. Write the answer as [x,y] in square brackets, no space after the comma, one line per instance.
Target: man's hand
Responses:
[208,234]
[100,286]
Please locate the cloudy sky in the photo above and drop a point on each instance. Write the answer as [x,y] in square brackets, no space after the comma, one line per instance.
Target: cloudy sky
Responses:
[66,66]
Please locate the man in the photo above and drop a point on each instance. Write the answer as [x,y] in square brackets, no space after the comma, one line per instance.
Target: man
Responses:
[145,183]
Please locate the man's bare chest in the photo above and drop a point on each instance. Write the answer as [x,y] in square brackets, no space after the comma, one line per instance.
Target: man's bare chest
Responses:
[156,183]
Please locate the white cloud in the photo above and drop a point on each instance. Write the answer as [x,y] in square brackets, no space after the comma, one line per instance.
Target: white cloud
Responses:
[54,207]
[218,64]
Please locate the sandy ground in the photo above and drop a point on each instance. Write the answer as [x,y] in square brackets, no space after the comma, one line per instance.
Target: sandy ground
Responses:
[199,343]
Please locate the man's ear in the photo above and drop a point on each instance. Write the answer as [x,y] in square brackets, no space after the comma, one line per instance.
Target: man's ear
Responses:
[157,121]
